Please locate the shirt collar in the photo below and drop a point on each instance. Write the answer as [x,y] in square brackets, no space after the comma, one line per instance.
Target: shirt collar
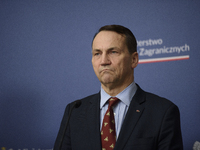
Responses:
[125,96]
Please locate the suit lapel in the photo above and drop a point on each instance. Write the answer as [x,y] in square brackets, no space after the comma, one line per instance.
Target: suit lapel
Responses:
[93,120]
[132,117]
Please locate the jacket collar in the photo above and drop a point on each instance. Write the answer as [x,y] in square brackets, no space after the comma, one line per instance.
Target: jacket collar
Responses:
[133,115]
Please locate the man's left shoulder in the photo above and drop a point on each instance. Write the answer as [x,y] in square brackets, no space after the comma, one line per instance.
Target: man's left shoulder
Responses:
[158,101]
[151,98]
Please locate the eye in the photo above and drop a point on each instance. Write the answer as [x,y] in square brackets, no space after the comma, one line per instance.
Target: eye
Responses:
[114,52]
[96,54]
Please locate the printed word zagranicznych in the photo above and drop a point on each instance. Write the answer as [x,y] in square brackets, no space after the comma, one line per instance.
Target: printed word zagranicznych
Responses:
[163,50]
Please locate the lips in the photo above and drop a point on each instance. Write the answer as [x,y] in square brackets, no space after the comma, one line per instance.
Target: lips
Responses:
[105,70]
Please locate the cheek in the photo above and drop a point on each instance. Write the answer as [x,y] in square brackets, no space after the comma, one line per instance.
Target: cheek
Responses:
[124,67]
[95,63]
[95,68]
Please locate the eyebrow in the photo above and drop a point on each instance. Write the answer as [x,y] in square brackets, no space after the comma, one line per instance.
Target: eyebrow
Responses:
[96,50]
[111,48]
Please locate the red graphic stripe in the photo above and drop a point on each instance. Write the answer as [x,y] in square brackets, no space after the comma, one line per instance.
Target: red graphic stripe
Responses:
[153,60]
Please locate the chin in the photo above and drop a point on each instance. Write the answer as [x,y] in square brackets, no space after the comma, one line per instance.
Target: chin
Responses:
[106,81]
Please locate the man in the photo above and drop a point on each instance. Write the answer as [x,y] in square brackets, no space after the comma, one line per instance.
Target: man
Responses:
[142,121]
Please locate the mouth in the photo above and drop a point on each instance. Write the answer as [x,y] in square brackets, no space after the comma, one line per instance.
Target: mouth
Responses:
[105,70]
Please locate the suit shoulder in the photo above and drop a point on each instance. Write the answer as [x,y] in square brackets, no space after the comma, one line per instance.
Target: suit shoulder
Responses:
[159,104]
[150,98]
[90,97]
[87,99]
[158,101]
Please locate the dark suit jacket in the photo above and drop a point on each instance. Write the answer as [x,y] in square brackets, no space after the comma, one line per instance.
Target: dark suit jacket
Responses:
[156,126]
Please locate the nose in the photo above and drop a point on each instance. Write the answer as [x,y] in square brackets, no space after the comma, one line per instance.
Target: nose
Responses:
[105,60]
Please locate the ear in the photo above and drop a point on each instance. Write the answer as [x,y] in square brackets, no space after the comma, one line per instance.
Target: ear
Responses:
[135,60]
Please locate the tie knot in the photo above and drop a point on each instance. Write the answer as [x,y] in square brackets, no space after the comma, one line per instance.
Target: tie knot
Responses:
[113,101]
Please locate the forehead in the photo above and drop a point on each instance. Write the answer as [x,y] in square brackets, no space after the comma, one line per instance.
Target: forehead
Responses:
[107,39]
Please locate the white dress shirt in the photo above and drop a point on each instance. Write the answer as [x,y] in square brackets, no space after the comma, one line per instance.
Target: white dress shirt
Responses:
[120,109]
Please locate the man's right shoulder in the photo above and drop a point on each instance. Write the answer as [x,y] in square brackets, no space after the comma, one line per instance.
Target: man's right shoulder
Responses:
[88,99]
[91,97]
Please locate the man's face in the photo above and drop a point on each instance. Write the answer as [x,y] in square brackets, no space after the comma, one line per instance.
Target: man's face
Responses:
[112,63]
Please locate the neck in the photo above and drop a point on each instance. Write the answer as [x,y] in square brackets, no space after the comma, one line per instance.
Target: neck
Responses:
[113,90]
